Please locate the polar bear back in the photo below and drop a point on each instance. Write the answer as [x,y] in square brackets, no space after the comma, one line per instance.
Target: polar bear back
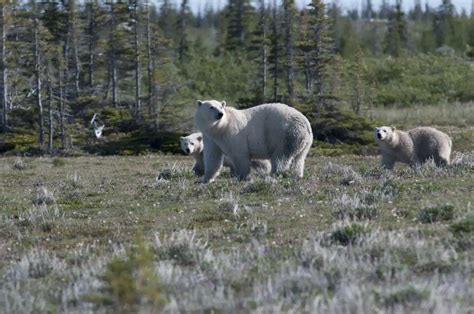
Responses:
[268,126]
[429,142]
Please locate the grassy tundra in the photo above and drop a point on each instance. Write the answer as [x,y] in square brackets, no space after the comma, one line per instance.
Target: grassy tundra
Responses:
[137,234]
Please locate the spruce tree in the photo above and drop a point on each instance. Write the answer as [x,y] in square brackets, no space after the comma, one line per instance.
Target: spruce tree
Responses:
[322,50]
[396,37]
[260,46]
[239,14]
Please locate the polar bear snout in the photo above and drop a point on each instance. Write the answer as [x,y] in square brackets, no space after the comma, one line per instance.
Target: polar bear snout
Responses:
[188,151]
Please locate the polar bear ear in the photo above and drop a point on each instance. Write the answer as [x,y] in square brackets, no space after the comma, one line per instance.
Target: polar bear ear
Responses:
[199,103]
[393,128]
[199,138]
[223,104]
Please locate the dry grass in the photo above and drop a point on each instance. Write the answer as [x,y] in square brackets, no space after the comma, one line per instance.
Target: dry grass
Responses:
[137,234]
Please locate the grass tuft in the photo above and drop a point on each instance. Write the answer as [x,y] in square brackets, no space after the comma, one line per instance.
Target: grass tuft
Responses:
[348,235]
[435,214]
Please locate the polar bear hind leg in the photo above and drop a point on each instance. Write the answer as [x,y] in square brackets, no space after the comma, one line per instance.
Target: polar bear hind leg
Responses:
[298,162]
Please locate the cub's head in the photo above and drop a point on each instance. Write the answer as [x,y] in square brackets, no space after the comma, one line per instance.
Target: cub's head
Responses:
[191,144]
[384,133]
[209,113]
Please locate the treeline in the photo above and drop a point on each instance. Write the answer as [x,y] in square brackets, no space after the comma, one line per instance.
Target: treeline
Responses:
[139,65]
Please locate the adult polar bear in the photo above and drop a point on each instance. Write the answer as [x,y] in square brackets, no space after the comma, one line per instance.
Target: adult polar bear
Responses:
[271,131]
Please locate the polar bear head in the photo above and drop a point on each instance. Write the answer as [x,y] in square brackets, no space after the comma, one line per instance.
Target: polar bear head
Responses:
[192,144]
[209,114]
[384,133]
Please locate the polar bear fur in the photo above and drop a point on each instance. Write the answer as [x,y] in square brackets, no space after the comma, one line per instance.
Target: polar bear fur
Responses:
[270,131]
[413,147]
[193,145]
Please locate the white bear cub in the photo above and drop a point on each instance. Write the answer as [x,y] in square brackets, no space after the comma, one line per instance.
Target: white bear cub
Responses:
[276,132]
[413,147]
[192,145]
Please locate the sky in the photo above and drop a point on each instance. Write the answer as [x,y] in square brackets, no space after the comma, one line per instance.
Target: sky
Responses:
[346,4]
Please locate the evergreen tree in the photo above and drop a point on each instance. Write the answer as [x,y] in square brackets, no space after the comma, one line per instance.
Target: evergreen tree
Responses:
[443,23]
[368,10]
[239,13]
[136,48]
[417,12]
[396,38]
[260,44]
[275,53]
[322,49]
[384,10]
[183,45]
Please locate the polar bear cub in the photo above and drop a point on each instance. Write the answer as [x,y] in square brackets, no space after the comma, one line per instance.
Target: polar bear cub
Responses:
[413,147]
[276,132]
[193,145]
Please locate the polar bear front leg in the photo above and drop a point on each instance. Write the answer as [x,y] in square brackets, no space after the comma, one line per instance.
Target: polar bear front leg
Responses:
[387,162]
[242,165]
[213,159]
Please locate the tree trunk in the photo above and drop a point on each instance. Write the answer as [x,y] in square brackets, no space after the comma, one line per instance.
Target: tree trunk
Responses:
[61,110]
[288,6]
[73,42]
[275,55]
[150,65]
[92,42]
[113,63]
[308,78]
[264,52]
[50,115]
[3,70]
[136,43]
[37,71]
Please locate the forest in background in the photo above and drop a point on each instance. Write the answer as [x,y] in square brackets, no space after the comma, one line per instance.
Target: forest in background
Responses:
[139,67]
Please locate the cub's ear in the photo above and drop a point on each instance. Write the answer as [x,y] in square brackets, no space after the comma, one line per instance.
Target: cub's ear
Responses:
[199,138]
[199,103]
[393,128]
[181,138]
[223,104]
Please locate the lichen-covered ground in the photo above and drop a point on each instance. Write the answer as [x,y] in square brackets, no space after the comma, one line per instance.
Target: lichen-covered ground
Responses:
[137,234]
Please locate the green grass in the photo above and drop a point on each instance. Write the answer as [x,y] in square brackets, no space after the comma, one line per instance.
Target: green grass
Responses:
[347,234]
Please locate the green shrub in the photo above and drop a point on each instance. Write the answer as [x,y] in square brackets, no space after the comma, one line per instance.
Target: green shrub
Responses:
[348,235]
[463,228]
[404,296]
[131,281]
[434,214]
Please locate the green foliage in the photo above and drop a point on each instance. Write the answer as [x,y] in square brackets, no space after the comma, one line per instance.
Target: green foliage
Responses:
[424,79]
[58,162]
[464,227]
[348,235]
[338,126]
[407,295]
[437,213]
[131,281]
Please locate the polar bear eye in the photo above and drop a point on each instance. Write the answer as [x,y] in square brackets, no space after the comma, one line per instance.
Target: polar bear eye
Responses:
[192,144]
